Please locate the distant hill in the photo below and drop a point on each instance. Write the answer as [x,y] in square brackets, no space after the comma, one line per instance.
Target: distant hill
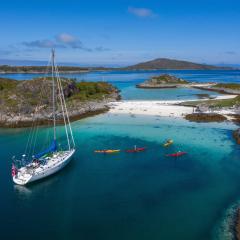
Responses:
[160,63]
[165,63]
[42,69]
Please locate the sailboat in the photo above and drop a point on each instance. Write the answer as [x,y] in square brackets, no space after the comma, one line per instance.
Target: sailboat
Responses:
[53,158]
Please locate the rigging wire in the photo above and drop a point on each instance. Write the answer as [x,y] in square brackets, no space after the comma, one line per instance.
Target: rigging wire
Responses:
[33,131]
[69,124]
[62,105]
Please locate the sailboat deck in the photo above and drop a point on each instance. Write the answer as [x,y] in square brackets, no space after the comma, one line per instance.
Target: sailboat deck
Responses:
[35,170]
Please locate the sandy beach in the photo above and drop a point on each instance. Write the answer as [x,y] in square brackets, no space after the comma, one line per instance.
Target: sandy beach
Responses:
[159,108]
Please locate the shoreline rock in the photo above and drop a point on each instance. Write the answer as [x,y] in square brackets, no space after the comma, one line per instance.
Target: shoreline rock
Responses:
[236,229]
[218,90]
[236,135]
[205,117]
[155,87]
[27,102]
[87,109]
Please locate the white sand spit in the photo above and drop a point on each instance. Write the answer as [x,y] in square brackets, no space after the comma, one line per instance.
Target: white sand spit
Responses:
[156,108]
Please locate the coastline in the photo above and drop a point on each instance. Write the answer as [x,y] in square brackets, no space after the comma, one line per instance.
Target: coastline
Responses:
[114,69]
[41,72]
[201,86]
[87,109]
[44,122]
[170,108]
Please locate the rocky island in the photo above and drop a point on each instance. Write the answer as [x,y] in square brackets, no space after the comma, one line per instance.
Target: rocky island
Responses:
[23,102]
[163,81]
[208,109]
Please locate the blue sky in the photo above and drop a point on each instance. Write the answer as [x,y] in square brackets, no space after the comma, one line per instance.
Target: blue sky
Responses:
[121,32]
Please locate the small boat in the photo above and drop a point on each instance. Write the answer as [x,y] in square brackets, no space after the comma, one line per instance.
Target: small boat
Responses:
[178,154]
[135,149]
[107,151]
[168,143]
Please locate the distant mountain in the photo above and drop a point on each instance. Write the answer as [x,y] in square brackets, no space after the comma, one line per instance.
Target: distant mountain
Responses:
[165,63]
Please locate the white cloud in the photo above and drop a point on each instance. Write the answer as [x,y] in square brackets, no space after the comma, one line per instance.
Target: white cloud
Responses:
[141,12]
[70,40]
[63,40]
[66,38]
[42,44]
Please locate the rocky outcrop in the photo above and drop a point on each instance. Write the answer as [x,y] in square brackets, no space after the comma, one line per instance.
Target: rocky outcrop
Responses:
[84,109]
[163,81]
[205,117]
[31,101]
[237,225]
[236,135]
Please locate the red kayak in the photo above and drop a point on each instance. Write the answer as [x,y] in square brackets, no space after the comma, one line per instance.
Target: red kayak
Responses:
[178,154]
[136,150]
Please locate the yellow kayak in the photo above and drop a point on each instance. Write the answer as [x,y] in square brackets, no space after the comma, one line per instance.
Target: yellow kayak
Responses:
[168,143]
[107,151]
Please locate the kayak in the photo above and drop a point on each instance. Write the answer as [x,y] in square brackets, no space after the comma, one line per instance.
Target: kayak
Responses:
[178,154]
[107,151]
[136,150]
[168,143]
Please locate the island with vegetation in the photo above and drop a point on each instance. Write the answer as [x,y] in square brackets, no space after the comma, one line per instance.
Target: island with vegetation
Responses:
[22,102]
[166,63]
[42,69]
[163,81]
[156,64]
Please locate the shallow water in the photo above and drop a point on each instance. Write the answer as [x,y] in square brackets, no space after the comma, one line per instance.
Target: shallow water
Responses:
[139,196]
[126,196]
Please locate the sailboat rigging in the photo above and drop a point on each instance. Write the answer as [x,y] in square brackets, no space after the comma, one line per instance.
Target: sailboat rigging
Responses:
[53,158]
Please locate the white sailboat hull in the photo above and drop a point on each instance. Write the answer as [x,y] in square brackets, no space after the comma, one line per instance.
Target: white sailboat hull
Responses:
[28,174]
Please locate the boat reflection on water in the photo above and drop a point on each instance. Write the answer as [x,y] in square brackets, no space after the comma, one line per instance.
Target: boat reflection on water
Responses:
[28,191]
[22,191]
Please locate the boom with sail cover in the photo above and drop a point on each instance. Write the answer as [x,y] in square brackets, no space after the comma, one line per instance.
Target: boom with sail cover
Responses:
[52,148]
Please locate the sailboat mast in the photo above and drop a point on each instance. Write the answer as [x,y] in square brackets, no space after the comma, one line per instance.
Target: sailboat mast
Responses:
[53,95]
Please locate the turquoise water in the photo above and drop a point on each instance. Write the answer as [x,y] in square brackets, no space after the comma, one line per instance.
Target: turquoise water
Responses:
[127,196]
[126,81]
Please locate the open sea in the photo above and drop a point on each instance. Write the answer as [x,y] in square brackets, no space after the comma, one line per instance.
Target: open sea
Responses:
[142,196]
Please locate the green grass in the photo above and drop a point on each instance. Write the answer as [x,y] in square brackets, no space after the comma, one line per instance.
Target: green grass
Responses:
[233,86]
[216,103]
[92,90]
[165,78]
[7,84]
[27,95]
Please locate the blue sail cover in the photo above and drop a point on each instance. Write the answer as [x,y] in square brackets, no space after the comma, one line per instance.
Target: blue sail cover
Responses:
[52,148]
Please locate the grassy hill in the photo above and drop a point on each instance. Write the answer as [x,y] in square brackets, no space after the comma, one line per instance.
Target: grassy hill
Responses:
[165,63]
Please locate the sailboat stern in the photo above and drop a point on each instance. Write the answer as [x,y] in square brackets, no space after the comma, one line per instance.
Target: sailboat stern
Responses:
[22,179]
